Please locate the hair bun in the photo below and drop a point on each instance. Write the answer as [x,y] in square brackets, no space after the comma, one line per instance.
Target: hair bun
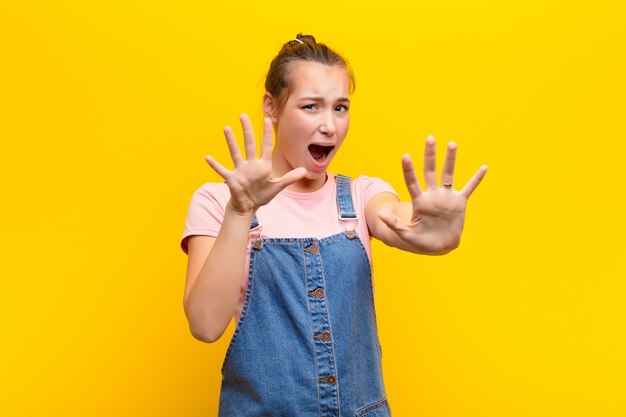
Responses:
[301,39]
[306,38]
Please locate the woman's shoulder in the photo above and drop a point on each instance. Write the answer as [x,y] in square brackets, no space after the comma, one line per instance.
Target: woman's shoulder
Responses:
[367,187]
[210,196]
[365,182]
[216,192]
[366,179]
[206,211]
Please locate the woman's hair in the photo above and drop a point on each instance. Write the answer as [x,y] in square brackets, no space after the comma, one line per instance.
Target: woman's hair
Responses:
[303,48]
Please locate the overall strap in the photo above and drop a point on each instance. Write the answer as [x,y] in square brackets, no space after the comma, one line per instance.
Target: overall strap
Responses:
[255,223]
[345,207]
[344,199]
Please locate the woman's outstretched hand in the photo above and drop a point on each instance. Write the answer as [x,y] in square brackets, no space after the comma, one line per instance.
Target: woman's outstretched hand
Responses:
[437,214]
[250,182]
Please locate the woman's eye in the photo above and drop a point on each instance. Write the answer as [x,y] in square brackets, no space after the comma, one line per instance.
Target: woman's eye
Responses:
[341,108]
[309,106]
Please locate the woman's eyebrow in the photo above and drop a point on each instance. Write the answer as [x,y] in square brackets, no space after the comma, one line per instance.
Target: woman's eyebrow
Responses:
[343,99]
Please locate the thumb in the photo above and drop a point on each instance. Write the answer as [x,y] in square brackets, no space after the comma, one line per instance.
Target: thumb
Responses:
[290,177]
[391,220]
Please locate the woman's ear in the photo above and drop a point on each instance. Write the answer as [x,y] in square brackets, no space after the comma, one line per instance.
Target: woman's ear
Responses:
[269,107]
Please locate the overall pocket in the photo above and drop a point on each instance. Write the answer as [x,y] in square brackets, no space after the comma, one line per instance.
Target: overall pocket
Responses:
[378,409]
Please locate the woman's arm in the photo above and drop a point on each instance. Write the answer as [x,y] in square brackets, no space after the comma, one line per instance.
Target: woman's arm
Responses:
[216,265]
[432,222]
[215,270]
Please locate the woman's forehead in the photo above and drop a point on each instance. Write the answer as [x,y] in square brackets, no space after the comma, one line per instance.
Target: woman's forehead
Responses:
[315,79]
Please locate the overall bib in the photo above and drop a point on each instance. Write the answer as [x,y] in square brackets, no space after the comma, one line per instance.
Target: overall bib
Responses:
[306,344]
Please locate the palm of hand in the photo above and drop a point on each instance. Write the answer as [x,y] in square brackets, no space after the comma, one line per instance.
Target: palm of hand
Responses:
[437,219]
[250,182]
[438,214]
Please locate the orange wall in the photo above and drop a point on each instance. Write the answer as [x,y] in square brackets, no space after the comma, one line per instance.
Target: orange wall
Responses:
[108,107]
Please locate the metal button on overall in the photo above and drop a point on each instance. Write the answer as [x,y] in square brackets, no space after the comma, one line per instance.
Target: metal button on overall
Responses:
[325,336]
[319,293]
[330,379]
[313,249]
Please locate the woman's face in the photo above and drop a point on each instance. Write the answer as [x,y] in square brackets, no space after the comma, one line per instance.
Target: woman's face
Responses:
[314,121]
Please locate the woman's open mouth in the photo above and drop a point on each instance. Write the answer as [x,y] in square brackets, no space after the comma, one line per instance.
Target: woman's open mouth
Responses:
[320,152]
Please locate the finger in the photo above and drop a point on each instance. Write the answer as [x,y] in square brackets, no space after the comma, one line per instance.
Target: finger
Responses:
[267,142]
[248,137]
[471,185]
[290,177]
[217,167]
[447,174]
[233,148]
[412,184]
[430,163]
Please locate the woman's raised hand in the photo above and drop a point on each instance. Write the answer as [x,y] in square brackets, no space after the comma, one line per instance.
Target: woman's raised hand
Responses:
[438,213]
[250,182]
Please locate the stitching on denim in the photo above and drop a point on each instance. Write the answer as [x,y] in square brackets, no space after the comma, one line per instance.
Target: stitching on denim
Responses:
[294,241]
[371,291]
[255,223]
[244,312]
[345,202]
[364,253]
[371,407]
[308,307]
[298,241]
[331,238]
[320,267]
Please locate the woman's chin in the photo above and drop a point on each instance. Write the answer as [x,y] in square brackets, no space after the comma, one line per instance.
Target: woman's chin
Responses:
[315,174]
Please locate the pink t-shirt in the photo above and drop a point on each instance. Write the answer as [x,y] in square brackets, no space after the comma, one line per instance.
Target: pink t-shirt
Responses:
[289,214]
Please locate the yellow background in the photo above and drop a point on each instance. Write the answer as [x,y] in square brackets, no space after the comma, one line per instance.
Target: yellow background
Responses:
[108,108]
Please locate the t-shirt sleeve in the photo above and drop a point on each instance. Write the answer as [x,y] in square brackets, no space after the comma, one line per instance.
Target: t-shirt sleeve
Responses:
[206,212]
[368,188]
[373,186]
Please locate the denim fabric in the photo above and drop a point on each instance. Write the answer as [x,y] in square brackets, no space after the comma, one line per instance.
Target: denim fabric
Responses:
[306,344]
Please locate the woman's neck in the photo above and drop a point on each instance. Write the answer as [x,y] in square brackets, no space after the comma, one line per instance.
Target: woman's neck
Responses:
[306,185]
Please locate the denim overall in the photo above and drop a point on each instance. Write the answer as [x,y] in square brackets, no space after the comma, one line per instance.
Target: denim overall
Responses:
[306,344]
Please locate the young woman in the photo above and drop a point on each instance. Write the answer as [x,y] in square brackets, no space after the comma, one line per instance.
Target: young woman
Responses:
[283,246]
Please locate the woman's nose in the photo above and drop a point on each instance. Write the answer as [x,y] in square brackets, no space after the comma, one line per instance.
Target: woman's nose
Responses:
[327,125]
